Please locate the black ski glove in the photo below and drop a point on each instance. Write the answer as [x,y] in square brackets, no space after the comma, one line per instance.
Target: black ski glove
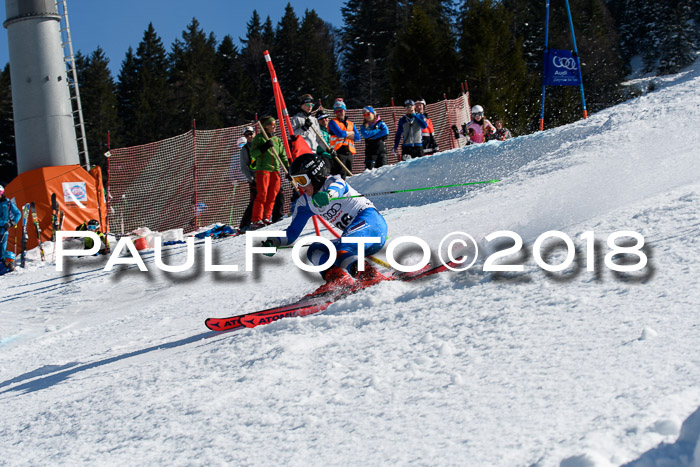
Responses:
[455,130]
[306,125]
[266,145]
[6,226]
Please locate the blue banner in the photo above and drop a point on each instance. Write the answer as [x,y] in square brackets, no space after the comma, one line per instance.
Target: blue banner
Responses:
[560,68]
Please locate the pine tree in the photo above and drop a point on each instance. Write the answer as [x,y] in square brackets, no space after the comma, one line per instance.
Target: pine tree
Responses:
[99,104]
[369,36]
[318,66]
[237,104]
[145,103]
[127,91]
[664,33]
[8,156]
[494,65]
[193,76]
[259,37]
[286,54]
[424,57]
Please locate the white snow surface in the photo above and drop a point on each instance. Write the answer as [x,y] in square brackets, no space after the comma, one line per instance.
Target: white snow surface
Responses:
[572,368]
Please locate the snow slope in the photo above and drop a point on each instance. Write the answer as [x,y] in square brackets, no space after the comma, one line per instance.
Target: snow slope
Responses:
[574,368]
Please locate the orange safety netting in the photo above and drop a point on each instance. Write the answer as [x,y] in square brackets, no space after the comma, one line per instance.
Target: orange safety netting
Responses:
[194,180]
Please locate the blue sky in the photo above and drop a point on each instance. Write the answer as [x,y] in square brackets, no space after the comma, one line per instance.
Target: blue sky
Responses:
[116,25]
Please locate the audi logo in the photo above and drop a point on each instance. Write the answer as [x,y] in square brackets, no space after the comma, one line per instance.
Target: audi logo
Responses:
[564,62]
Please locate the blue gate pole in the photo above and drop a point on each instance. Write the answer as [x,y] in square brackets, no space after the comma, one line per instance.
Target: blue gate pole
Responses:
[544,66]
[578,62]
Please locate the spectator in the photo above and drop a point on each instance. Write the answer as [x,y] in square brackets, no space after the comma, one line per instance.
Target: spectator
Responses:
[429,144]
[375,132]
[410,126]
[93,225]
[322,118]
[304,123]
[267,155]
[248,170]
[344,135]
[8,263]
[9,216]
[480,125]
[502,133]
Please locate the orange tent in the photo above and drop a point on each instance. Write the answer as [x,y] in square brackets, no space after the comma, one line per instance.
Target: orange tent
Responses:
[79,194]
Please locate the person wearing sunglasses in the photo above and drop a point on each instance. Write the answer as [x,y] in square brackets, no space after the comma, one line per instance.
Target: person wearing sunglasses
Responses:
[306,125]
[330,197]
[411,127]
[9,216]
[8,263]
[479,125]
[375,132]
[93,225]
[344,135]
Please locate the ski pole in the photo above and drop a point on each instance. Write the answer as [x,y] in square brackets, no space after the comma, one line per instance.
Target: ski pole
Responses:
[382,193]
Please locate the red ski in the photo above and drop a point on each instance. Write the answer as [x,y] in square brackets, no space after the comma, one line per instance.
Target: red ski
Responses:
[310,304]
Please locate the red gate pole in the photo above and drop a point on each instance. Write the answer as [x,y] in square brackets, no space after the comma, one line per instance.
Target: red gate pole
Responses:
[278,103]
[283,116]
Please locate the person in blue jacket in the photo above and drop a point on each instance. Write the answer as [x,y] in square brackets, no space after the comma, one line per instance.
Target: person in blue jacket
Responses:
[374,131]
[339,204]
[8,263]
[411,127]
[9,216]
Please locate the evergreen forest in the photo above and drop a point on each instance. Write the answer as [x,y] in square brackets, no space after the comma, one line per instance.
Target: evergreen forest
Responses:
[385,49]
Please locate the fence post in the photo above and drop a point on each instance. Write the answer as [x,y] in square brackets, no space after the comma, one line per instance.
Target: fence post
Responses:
[448,124]
[109,195]
[194,175]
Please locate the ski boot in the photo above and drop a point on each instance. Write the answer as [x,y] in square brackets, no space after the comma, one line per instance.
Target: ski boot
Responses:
[368,277]
[336,279]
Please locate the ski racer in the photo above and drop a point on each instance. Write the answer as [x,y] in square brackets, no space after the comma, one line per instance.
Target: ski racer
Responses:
[411,126]
[8,263]
[93,225]
[357,217]
[9,216]
[480,125]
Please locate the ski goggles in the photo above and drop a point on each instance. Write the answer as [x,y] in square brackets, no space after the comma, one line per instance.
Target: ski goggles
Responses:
[301,179]
[478,114]
[93,227]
